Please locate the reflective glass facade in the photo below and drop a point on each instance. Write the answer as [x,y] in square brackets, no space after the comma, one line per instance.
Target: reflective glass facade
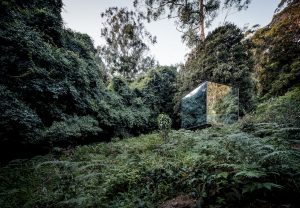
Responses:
[210,103]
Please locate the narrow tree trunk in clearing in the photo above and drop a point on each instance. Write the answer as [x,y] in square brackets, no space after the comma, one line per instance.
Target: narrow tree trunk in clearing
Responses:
[201,20]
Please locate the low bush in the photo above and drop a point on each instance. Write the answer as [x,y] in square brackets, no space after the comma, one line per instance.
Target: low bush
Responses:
[71,131]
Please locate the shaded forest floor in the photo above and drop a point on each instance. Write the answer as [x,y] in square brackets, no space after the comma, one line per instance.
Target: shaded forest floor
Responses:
[225,166]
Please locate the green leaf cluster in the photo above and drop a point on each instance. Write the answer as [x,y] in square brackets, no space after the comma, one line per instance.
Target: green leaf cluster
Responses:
[157,89]
[283,110]
[164,123]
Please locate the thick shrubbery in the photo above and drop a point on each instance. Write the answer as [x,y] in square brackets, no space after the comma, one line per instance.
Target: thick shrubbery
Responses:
[277,53]
[71,131]
[48,74]
[283,110]
[17,119]
[157,89]
[51,83]
[128,112]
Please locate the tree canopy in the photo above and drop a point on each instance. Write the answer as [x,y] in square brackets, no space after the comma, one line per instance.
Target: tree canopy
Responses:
[125,49]
[191,15]
[51,84]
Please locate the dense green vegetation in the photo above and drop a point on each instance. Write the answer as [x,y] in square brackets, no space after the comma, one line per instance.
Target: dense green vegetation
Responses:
[219,166]
[125,49]
[52,88]
[277,53]
[95,139]
[158,88]
[288,105]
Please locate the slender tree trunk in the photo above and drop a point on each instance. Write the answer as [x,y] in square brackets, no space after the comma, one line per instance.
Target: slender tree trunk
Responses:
[201,20]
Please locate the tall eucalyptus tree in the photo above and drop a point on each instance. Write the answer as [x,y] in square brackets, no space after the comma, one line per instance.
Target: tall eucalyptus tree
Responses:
[192,16]
[125,49]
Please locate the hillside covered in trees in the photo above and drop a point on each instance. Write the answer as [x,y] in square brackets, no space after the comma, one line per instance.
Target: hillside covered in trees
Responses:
[101,127]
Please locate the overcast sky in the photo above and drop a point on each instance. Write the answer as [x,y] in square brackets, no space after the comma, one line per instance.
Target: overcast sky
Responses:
[84,16]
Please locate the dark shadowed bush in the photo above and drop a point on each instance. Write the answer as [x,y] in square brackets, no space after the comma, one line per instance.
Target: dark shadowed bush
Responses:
[157,89]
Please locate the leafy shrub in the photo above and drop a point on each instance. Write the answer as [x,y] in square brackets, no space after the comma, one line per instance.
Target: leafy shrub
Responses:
[127,114]
[18,122]
[164,124]
[157,88]
[283,110]
[71,130]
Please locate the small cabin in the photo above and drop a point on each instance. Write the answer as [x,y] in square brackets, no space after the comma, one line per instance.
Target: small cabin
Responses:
[208,104]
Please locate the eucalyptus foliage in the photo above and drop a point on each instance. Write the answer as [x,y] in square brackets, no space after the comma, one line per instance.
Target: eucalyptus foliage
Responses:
[125,49]
[190,15]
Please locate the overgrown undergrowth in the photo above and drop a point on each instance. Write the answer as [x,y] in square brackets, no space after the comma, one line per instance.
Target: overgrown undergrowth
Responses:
[218,167]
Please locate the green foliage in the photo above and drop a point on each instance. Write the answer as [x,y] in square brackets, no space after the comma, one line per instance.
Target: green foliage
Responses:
[125,50]
[18,122]
[227,108]
[218,167]
[51,83]
[283,110]
[127,113]
[71,130]
[157,89]
[49,73]
[164,123]
[52,93]
[277,53]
